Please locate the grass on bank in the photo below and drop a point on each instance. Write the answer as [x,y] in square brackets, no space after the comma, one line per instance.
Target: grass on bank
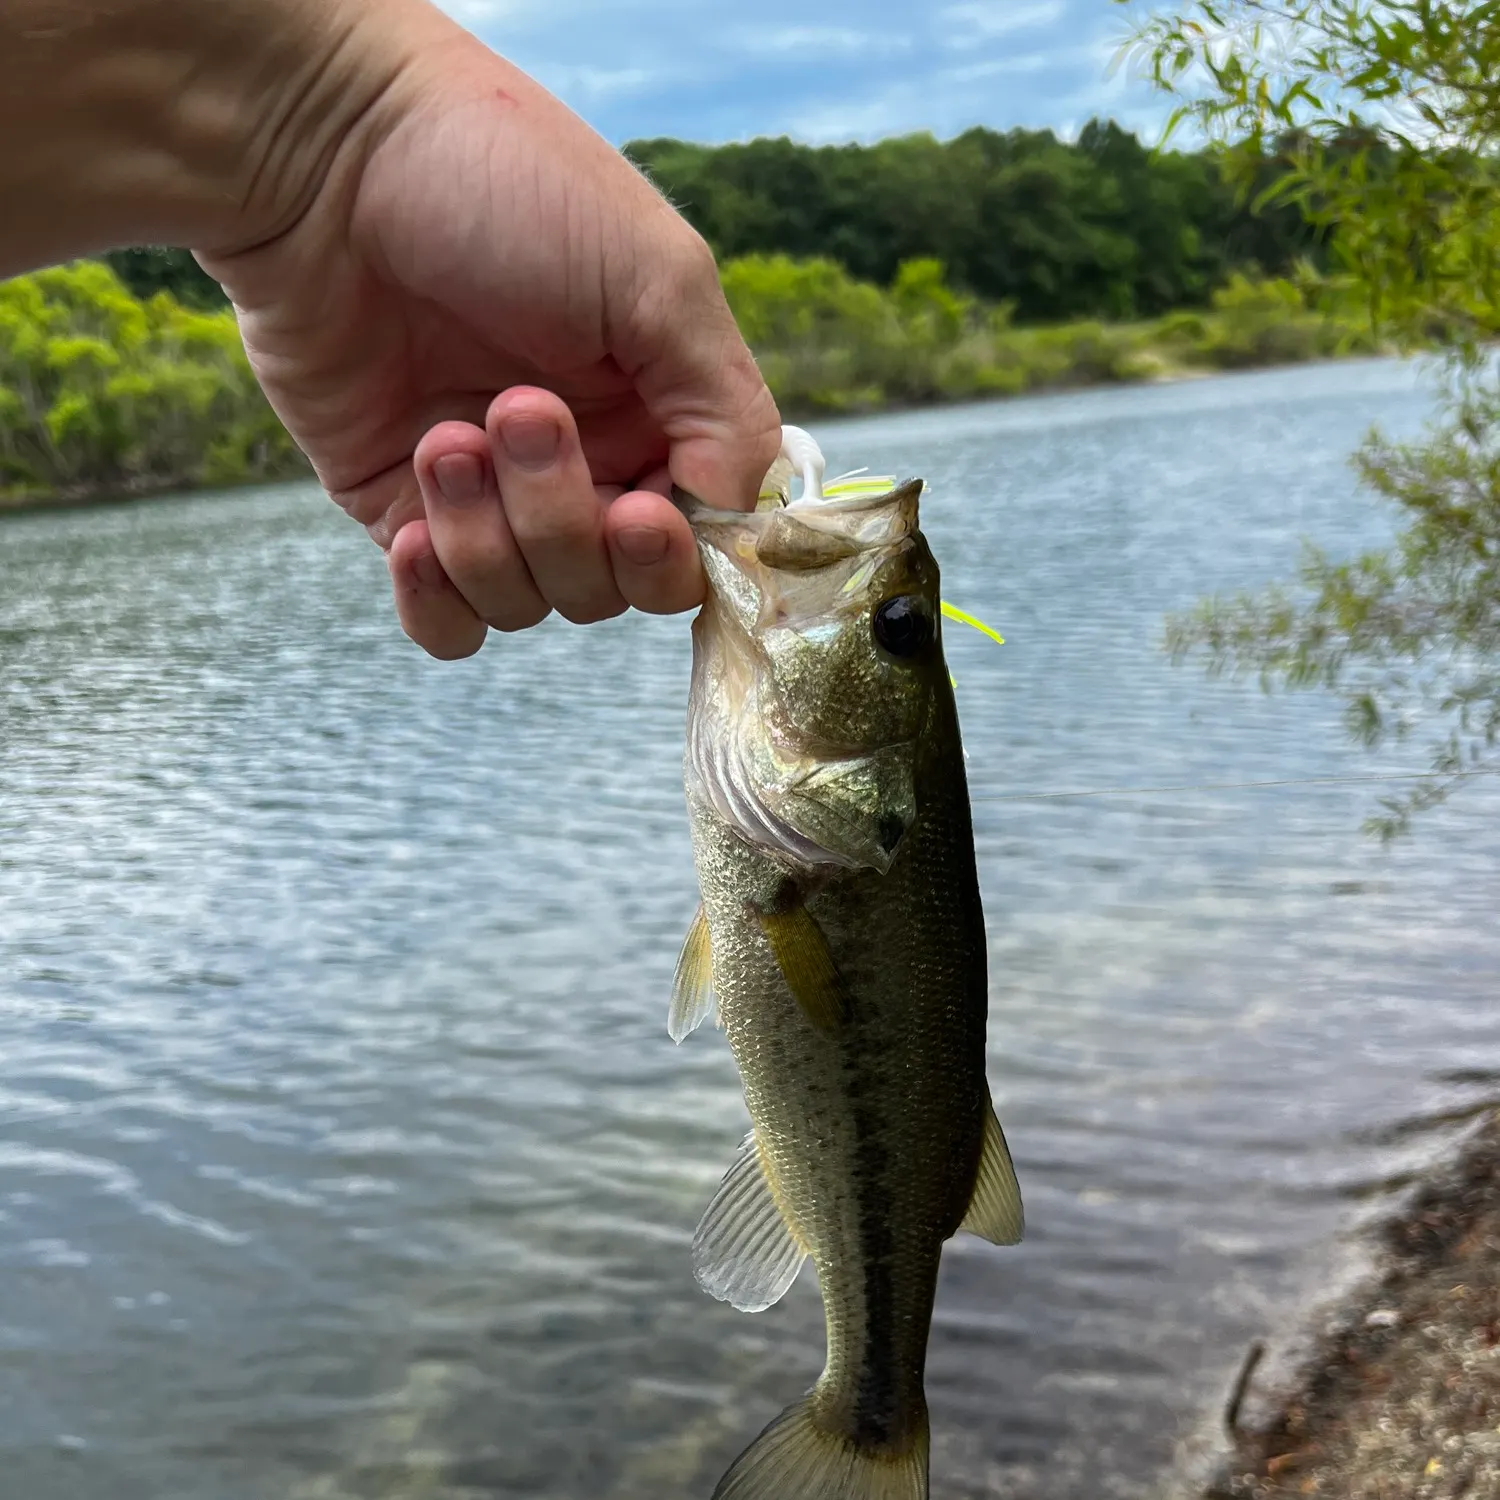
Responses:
[103,392]
[828,343]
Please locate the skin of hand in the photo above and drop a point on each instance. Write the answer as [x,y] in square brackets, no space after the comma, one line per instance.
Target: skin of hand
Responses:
[496,342]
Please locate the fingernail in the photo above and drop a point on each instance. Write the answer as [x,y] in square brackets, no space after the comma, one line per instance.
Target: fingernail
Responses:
[429,570]
[460,478]
[642,545]
[530,442]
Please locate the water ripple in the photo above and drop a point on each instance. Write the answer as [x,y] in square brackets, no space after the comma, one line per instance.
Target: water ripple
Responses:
[343,1154]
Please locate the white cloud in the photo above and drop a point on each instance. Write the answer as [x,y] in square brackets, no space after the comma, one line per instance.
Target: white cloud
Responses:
[853,119]
[1000,67]
[985,20]
[816,42]
[578,81]
[1105,92]
[483,12]
[825,70]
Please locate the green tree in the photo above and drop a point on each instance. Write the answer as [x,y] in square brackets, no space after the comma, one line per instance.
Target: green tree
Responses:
[149,269]
[1383,117]
[1100,228]
[102,390]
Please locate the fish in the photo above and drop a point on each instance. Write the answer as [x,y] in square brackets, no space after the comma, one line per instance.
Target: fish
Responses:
[840,943]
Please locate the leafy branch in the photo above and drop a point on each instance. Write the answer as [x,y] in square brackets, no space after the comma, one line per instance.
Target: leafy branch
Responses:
[1383,120]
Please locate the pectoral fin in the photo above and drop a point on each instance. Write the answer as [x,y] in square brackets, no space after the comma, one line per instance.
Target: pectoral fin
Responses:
[801,952]
[745,1253]
[693,983]
[995,1209]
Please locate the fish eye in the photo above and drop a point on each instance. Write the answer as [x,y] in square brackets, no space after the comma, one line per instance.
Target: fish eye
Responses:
[902,625]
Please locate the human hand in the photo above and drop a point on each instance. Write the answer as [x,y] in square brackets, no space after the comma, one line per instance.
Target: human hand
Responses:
[468,235]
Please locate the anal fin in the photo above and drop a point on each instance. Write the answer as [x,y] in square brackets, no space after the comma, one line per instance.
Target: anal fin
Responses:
[745,1253]
[801,953]
[693,983]
[995,1212]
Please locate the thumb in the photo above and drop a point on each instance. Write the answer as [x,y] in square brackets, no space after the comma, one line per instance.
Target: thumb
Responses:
[696,376]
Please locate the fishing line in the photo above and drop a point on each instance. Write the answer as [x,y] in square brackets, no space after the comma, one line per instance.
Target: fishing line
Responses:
[1236,786]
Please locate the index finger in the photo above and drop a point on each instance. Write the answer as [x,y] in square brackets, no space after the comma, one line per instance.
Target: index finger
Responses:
[653,553]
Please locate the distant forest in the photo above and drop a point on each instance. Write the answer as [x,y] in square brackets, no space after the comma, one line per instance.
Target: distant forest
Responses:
[1101,228]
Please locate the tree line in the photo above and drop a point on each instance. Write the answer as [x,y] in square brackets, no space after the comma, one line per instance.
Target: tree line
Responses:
[103,391]
[909,271]
[1100,228]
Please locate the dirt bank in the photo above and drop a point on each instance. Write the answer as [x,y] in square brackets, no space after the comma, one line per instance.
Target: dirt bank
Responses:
[1400,1397]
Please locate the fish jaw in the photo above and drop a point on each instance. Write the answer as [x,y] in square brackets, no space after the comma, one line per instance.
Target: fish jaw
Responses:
[803,733]
[810,809]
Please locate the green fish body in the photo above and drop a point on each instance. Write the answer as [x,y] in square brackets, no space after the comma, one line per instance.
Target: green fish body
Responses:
[842,939]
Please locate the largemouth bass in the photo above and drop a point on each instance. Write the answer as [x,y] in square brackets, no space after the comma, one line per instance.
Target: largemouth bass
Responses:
[842,939]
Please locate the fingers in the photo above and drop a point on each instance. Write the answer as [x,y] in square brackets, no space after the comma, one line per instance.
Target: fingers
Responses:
[553,511]
[516,527]
[697,378]
[653,554]
[431,610]
[470,532]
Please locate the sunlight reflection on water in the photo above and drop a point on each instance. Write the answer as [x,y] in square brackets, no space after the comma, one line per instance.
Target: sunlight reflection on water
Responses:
[344,1153]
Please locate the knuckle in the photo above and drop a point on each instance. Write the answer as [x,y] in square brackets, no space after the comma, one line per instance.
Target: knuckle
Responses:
[694,263]
[591,611]
[517,615]
[564,530]
[455,650]
[680,271]
[472,563]
[446,644]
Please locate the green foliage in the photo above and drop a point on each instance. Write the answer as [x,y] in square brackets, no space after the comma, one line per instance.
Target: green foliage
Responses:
[1384,118]
[149,269]
[829,343]
[100,390]
[104,391]
[1102,228]
[1408,635]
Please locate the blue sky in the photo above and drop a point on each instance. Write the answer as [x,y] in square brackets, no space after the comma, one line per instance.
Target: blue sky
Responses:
[819,70]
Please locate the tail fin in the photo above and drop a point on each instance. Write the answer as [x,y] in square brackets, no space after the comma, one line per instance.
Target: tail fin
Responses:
[795,1459]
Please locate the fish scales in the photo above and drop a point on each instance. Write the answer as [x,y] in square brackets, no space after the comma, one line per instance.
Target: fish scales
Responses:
[873,1136]
[844,934]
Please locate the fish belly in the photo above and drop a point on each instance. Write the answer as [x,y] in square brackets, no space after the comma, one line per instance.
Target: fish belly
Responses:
[870,1132]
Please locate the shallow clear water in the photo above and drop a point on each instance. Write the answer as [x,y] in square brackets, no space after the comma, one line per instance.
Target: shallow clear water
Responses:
[342,1149]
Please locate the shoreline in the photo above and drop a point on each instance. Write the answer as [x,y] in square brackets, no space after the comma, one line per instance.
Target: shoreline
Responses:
[1397,1395]
[131,491]
[148,487]
[1164,372]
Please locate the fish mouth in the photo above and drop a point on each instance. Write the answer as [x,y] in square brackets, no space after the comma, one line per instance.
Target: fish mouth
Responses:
[855,503]
[795,781]
[804,560]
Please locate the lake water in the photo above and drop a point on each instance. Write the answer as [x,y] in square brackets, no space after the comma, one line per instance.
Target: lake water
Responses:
[343,1153]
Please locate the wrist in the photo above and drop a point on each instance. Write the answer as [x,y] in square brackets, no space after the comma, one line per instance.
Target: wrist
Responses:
[205,123]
